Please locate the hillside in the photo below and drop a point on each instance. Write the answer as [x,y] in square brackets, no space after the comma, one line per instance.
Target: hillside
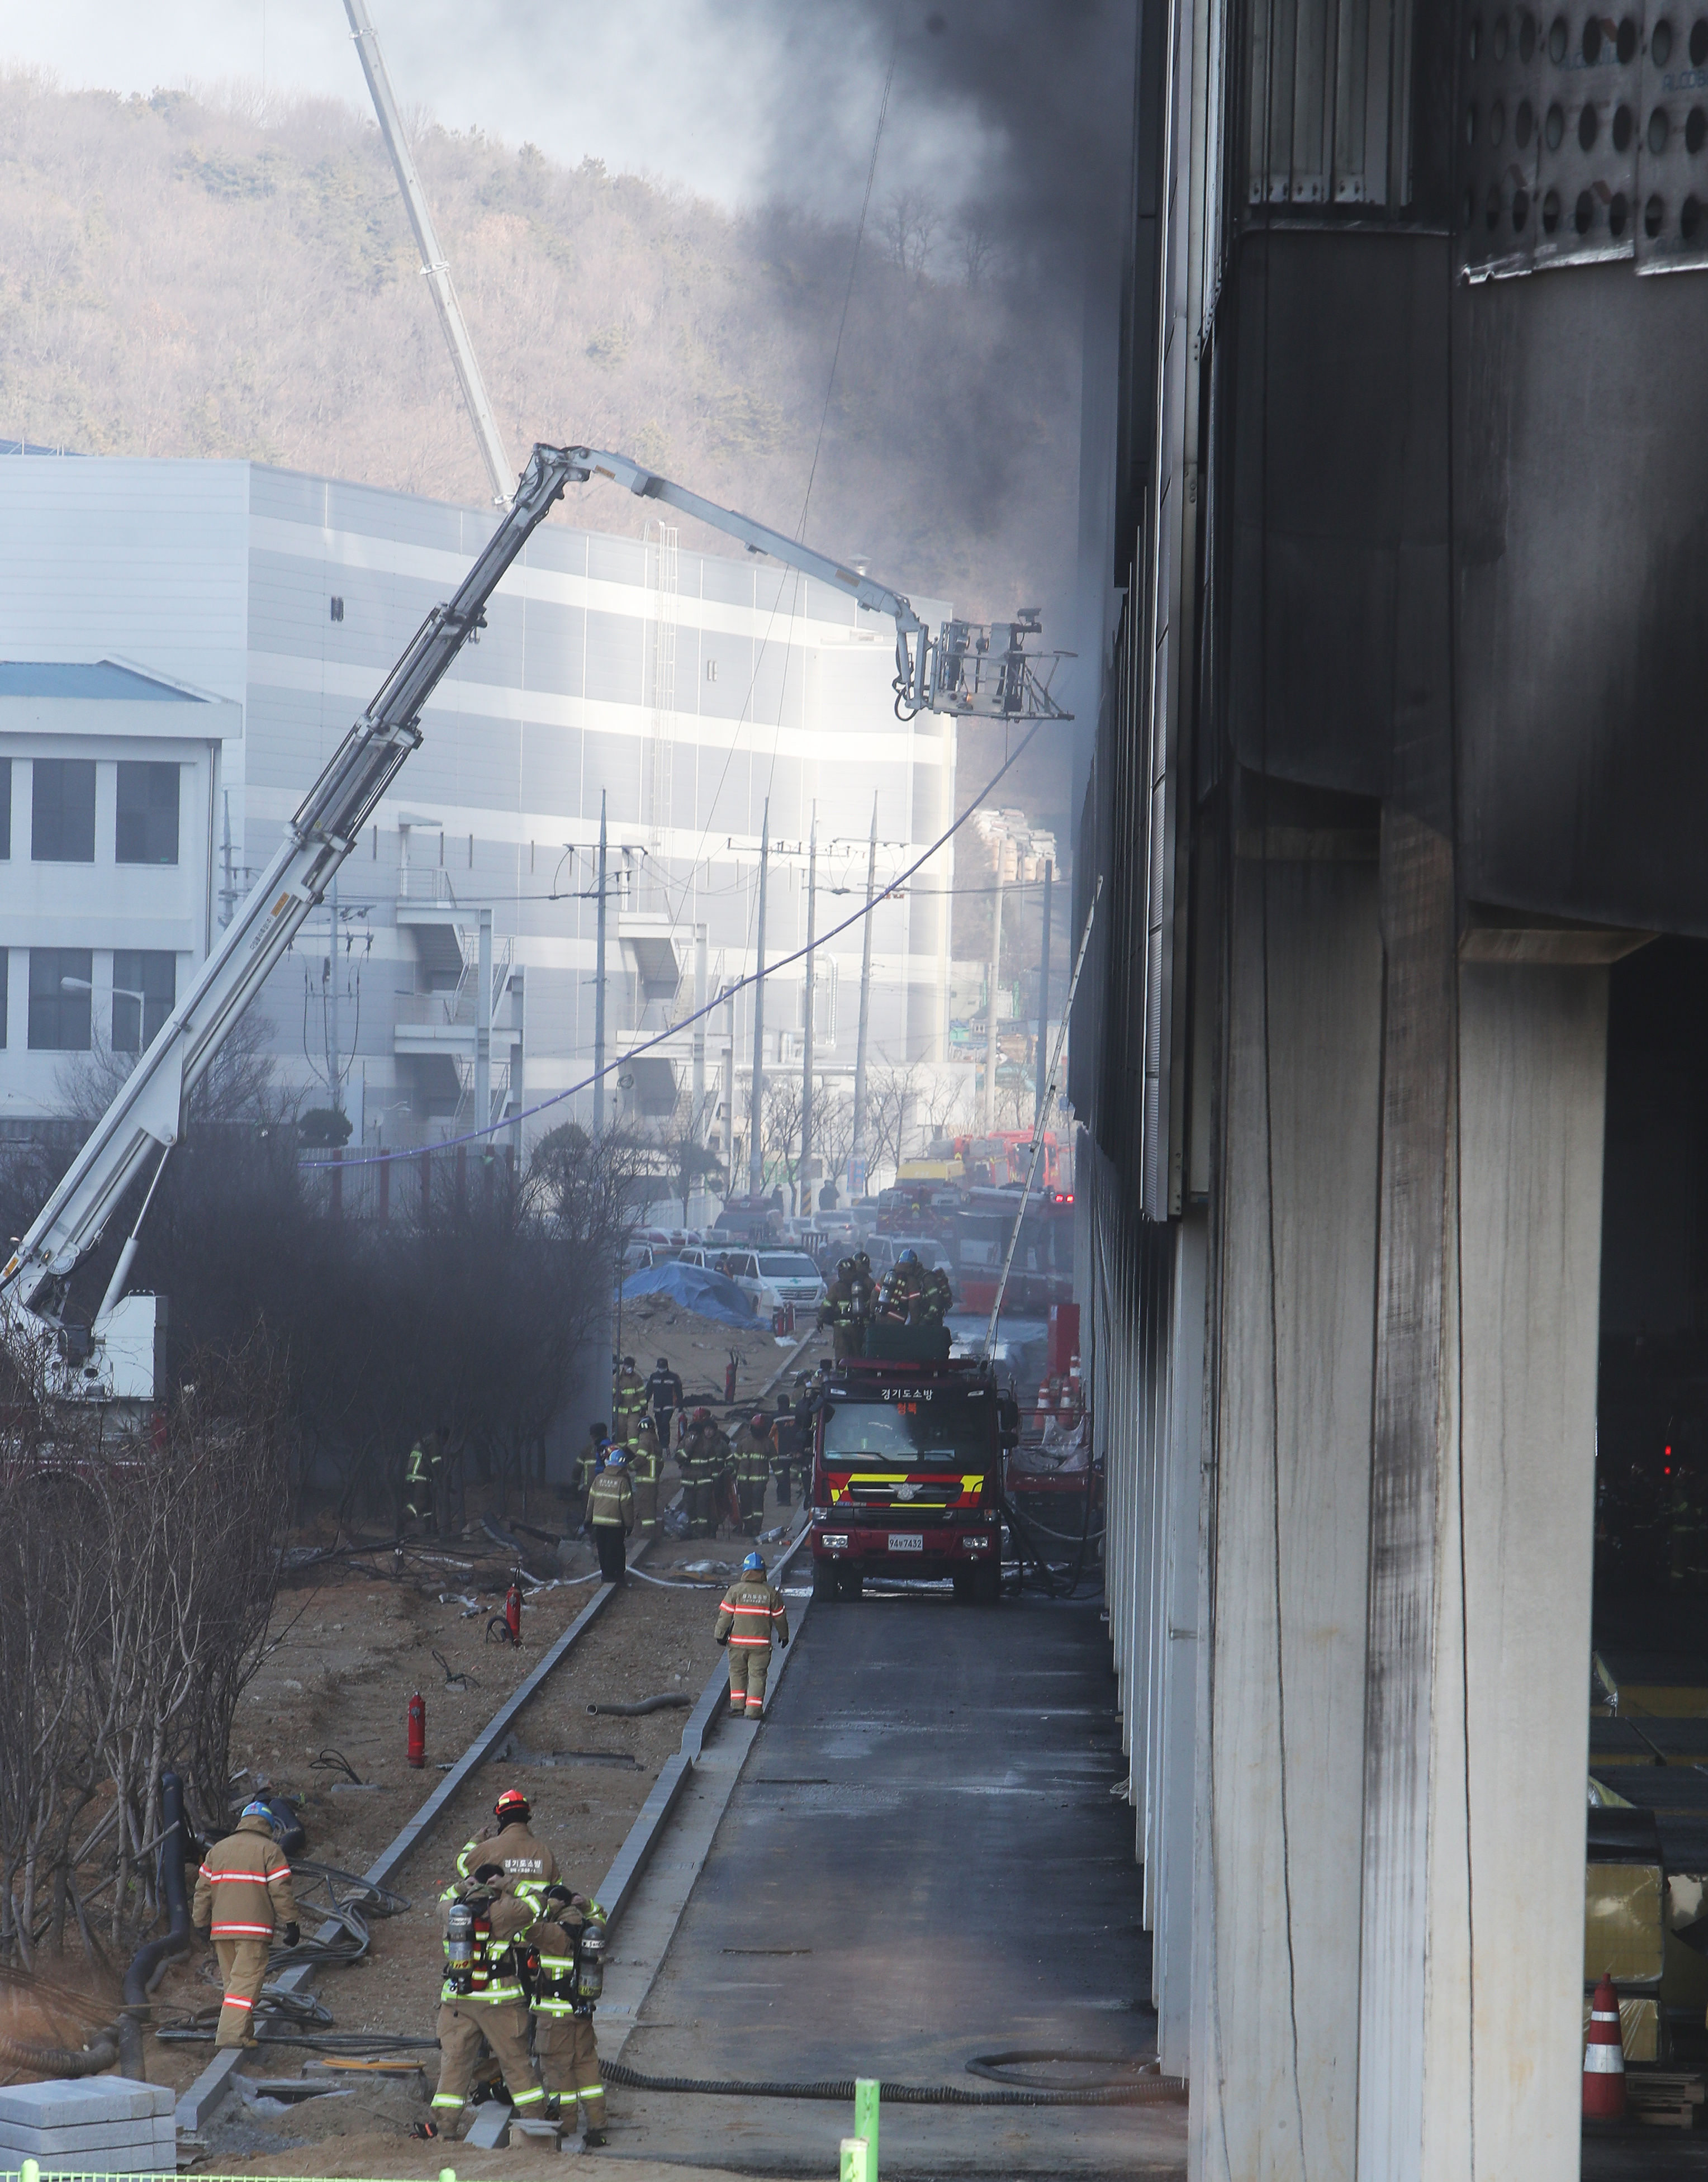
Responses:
[182,280]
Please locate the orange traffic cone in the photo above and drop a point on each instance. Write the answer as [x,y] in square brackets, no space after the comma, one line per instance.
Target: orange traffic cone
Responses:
[1604,2059]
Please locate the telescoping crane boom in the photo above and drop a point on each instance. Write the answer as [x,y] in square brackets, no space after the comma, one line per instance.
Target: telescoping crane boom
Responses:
[963,670]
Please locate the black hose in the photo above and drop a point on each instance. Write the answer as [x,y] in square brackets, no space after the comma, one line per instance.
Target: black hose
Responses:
[150,1959]
[49,2060]
[664,1703]
[1142,2091]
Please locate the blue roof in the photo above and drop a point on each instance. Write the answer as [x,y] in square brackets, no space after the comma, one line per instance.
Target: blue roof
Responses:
[62,678]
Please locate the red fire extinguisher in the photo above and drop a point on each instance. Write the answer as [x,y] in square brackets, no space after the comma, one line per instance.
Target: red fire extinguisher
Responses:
[417,1729]
[512,1613]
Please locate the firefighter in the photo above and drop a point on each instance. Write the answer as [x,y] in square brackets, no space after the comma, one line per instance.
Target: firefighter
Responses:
[482,2006]
[936,1298]
[421,1482]
[643,1465]
[787,1446]
[752,1471]
[522,1860]
[610,1513]
[752,1611]
[701,1463]
[839,1312]
[565,1966]
[243,1892]
[904,1289]
[664,1391]
[628,1403]
[589,1461]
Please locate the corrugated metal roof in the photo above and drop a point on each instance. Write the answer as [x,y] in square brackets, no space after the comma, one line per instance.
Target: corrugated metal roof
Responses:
[63,678]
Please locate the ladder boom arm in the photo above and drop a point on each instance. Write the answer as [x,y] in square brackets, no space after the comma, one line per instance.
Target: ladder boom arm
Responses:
[147,1113]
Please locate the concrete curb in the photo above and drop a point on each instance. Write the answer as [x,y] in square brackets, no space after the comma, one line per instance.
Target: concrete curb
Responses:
[617,1888]
[214,2082]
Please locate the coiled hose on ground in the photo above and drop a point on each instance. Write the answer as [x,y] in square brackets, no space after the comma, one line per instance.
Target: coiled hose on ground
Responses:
[101,2052]
[1141,2092]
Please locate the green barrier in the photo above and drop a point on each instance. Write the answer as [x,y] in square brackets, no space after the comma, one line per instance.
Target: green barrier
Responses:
[866,2118]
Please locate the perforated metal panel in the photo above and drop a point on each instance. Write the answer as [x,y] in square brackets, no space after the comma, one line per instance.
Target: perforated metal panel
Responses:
[1672,156]
[1583,136]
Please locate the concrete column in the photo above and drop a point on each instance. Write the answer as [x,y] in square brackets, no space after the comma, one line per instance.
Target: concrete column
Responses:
[1171,1851]
[1276,1917]
[1516,1513]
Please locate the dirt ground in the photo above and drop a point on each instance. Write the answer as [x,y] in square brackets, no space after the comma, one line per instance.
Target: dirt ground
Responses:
[699,1348]
[351,1641]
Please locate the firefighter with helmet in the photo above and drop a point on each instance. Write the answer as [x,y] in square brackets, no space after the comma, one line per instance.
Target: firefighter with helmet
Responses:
[664,1391]
[904,1289]
[610,1514]
[483,2009]
[645,1465]
[752,1471]
[565,1971]
[839,1311]
[243,1892]
[628,1403]
[752,1613]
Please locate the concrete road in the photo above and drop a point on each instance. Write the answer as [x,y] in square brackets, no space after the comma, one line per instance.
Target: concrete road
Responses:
[922,1861]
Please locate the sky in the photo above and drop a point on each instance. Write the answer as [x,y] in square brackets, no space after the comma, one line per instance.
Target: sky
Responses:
[699,93]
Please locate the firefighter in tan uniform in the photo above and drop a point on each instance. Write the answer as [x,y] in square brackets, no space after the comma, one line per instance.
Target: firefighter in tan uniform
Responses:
[752,1471]
[483,2006]
[751,1610]
[243,1891]
[566,1950]
[646,1461]
[628,1403]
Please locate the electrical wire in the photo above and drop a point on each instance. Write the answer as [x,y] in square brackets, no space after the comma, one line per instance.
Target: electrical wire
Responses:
[660,1037]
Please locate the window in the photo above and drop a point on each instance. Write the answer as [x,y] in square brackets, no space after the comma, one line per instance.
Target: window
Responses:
[59,1019]
[153,976]
[147,828]
[61,817]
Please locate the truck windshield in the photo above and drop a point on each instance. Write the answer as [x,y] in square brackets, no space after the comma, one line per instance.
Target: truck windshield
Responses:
[954,1432]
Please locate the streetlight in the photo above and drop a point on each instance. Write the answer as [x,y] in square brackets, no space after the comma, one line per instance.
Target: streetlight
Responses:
[120,992]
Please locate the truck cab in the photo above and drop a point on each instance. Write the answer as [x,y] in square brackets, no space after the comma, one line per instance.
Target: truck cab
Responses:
[907,1464]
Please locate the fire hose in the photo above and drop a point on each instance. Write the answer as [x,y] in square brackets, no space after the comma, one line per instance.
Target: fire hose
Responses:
[664,1703]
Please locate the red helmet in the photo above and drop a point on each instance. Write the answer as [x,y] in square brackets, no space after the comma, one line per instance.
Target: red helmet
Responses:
[512,1808]
[760,1421]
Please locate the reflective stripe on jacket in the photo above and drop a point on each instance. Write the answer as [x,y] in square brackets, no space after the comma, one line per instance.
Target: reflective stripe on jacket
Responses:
[243,1888]
[752,1610]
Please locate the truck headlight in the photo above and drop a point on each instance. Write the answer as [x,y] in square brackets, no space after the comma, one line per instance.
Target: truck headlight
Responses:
[834,1542]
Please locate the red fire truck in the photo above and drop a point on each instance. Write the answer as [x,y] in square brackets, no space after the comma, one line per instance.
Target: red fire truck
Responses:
[907,1462]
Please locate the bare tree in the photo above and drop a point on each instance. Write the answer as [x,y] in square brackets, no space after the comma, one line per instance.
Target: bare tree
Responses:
[911,222]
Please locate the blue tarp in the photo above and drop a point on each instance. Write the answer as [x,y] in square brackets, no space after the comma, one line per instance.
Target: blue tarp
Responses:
[696,1289]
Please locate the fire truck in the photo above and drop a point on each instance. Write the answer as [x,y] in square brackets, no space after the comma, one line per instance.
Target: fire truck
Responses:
[1042,1273]
[907,1470]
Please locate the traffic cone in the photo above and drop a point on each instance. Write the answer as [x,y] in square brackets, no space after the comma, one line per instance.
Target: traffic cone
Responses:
[1604,2059]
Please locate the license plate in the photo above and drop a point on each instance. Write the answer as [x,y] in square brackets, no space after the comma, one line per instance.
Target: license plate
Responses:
[906,1541]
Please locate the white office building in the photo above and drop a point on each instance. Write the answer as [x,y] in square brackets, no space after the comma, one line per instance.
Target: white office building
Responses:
[216,627]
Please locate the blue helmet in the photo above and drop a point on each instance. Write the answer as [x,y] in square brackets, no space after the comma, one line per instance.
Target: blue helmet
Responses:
[255,1811]
[755,1561]
[615,1457]
[908,1258]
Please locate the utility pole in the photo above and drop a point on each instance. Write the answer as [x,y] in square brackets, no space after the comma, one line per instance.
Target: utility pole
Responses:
[729,1092]
[482,1024]
[434,267]
[990,1004]
[1043,1000]
[755,1161]
[806,1206]
[333,1071]
[697,1118]
[865,987]
[599,990]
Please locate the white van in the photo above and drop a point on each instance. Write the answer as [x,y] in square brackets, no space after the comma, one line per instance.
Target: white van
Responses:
[769,1277]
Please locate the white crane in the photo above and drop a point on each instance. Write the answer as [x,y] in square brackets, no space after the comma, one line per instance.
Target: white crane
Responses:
[964,670]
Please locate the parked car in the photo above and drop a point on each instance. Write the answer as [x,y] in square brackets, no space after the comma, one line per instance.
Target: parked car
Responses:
[769,1277]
